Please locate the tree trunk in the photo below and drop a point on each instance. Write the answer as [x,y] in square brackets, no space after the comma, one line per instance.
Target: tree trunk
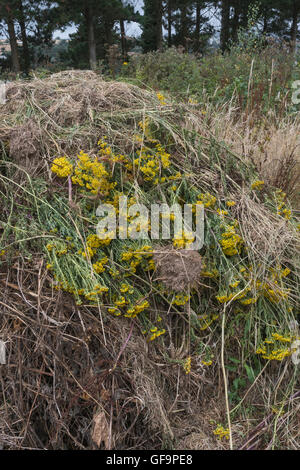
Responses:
[13,41]
[169,23]
[123,40]
[159,34]
[245,13]
[184,27]
[24,38]
[236,20]
[197,30]
[265,27]
[225,25]
[294,27]
[91,35]
[108,26]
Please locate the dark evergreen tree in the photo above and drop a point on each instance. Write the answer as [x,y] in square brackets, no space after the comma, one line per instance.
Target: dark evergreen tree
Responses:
[152,25]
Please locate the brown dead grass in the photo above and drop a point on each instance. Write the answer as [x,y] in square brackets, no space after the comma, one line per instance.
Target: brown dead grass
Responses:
[177,269]
[73,391]
[272,144]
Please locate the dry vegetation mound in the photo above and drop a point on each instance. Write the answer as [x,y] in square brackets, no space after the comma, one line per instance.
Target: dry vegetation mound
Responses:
[128,344]
[65,112]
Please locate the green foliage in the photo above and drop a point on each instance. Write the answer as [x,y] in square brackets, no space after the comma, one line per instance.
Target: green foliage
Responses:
[253,73]
[169,70]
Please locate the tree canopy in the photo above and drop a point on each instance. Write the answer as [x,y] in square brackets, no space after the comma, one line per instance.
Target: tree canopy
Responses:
[29,26]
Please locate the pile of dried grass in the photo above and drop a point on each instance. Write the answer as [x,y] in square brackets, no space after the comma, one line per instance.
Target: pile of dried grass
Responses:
[69,98]
[66,112]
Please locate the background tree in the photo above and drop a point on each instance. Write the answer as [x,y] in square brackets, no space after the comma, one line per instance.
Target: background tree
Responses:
[102,23]
[98,22]
[225,24]
[8,13]
[152,25]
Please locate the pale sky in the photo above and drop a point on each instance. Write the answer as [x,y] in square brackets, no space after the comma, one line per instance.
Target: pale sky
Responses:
[132,28]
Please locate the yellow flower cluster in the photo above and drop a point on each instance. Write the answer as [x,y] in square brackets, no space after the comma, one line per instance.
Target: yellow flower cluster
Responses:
[62,167]
[161,98]
[106,237]
[137,256]
[151,265]
[188,365]
[210,272]
[93,242]
[106,153]
[99,265]
[59,247]
[225,298]
[222,212]
[283,339]
[151,164]
[251,300]
[257,185]
[144,127]
[234,284]
[276,353]
[275,294]
[285,272]
[156,333]
[230,203]
[114,311]
[206,320]
[231,242]
[207,199]
[91,174]
[221,432]
[132,312]
[180,299]
[120,301]
[183,242]
[281,205]
[66,286]
[126,288]
[207,363]
[98,289]
[177,176]
[271,288]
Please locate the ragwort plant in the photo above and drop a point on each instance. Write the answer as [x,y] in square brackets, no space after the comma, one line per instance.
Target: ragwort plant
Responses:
[117,273]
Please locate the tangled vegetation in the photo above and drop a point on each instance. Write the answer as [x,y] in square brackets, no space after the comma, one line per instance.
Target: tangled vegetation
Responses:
[192,347]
